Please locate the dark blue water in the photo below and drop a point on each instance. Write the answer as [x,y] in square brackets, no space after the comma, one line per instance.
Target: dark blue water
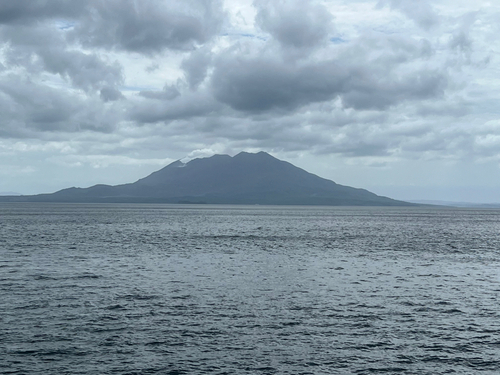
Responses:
[159,289]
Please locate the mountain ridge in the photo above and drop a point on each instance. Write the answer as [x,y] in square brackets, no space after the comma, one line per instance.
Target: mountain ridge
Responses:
[245,178]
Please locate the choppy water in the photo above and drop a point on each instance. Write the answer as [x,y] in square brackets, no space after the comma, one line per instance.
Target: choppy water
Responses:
[159,289]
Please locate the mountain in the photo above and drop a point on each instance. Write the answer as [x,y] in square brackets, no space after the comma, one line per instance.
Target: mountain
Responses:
[221,179]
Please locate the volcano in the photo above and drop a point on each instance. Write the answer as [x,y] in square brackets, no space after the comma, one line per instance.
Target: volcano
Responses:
[245,178]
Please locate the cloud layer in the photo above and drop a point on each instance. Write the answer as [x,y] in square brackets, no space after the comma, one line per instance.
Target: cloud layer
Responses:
[376,84]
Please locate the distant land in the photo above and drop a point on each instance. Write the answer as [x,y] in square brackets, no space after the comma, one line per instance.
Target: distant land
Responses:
[456,204]
[245,178]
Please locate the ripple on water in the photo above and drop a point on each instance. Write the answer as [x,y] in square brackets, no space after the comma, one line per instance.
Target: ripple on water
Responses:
[131,289]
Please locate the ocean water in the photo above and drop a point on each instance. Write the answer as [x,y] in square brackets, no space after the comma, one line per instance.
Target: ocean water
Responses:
[172,289]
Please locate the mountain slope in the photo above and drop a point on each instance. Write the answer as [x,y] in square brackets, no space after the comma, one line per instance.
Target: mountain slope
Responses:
[243,179]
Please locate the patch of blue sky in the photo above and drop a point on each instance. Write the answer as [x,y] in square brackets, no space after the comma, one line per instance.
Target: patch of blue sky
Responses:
[337,40]
[64,24]
[388,30]
[139,88]
[246,35]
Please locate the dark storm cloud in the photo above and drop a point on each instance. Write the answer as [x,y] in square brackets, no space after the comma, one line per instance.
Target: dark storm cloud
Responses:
[295,23]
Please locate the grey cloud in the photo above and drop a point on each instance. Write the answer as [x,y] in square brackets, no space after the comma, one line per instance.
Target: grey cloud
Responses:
[168,93]
[332,99]
[187,105]
[385,53]
[461,39]
[31,36]
[146,26]
[152,68]
[110,94]
[196,66]
[382,138]
[33,107]
[457,107]
[86,71]
[40,48]
[149,26]
[36,10]
[263,84]
[368,73]
[295,23]
[335,131]
[242,132]
[355,148]
[363,134]
[368,91]
[420,11]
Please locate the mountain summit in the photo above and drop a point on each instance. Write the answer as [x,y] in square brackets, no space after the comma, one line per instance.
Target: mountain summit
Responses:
[242,179]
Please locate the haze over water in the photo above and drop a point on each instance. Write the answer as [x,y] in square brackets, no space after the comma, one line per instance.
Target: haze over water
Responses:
[172,289]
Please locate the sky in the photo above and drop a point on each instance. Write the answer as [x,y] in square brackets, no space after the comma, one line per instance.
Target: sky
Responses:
[400,97]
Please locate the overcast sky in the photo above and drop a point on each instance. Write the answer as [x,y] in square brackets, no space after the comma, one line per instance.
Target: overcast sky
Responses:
[401,97]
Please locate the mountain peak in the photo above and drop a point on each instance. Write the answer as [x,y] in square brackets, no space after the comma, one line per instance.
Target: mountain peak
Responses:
[244,154]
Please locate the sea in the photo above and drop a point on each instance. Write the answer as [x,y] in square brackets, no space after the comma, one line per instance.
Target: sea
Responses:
[202,289]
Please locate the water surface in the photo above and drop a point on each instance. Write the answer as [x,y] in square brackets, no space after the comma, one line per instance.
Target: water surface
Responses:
[172,289]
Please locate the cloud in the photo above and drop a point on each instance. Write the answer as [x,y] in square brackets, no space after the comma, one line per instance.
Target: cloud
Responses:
[40,50]
[260,84]
[169,105]
[362,76]
[148,26]
[110,94]
[28,107]
[169,92]
[86,71]
[422,11]
[294,23]
[368,91]
[35,105]
[196,66]
[27,12]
